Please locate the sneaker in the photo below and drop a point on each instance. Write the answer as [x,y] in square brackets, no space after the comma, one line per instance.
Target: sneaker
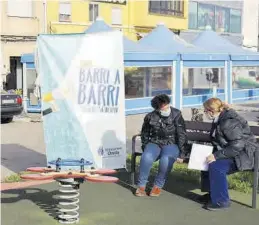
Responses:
[218,206]
[155,192]
[204,198]
[140,192]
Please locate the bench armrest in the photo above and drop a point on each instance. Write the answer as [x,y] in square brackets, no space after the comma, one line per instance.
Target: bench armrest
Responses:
[134,142]
[256,165]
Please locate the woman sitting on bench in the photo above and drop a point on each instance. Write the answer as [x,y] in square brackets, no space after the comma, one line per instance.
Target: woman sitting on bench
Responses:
[234,147]
[163,137]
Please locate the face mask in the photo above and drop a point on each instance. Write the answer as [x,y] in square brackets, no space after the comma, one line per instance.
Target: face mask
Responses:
[209,116]
[166,112]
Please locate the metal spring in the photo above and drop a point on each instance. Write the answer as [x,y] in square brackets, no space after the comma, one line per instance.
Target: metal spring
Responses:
[69,201]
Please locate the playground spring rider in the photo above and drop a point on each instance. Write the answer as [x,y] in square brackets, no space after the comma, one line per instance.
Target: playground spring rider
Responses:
[69,182]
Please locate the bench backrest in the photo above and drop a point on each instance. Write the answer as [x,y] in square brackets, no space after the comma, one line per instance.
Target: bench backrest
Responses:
[199,131]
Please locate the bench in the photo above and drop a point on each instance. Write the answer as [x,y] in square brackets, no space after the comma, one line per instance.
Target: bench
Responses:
[198,132]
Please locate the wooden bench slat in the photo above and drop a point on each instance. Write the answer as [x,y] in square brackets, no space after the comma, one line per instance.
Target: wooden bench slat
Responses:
[255,130]
[201,137]
[193,125]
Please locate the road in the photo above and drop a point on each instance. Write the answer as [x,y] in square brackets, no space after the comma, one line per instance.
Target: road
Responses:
[22,143]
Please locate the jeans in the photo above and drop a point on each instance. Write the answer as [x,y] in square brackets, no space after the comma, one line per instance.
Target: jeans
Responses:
[215,180]
[166,154]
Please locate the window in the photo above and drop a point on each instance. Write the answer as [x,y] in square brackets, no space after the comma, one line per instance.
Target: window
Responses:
[93,11]
[116,16]
[235,21]
[200,81]
[31,78]
[19,8]
[245,77]
[206,17]
[147,81]
[193,15]
[222,19]
[160,80]
[170,7]
[64,12]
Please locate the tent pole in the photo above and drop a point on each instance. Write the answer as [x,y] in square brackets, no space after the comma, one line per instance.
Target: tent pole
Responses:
[228,83]
[173,83]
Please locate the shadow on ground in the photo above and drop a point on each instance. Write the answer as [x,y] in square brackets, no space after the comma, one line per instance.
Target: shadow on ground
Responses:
[175,184]
[42,198]
[17,157]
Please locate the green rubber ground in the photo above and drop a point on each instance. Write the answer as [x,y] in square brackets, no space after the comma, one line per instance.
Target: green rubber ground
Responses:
[114,204]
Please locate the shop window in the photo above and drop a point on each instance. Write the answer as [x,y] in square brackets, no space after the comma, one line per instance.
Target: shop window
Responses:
[193,15]
[222,19]
[206,17]
[235,21]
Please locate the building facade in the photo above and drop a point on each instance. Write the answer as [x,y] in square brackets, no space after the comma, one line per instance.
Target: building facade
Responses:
[250,24]
[224,17]
[21,22]
[134,18]
[235,20]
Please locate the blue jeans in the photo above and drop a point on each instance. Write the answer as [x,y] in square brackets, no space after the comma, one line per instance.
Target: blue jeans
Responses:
[166,154]
[215,180]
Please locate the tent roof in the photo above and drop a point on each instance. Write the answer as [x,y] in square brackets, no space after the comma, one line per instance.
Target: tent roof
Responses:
[98,26]
[132,49]
[211,41]
[163,38]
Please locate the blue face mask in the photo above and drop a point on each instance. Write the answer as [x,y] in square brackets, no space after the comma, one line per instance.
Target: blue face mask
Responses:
[165,113]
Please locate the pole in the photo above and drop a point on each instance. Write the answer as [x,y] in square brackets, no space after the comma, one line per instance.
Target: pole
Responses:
[25,99]
[45,16]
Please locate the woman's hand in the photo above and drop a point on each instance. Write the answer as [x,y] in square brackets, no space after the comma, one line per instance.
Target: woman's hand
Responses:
[210,159]
[179,160]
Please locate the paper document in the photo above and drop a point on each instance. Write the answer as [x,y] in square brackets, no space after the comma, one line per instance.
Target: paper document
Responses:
[198,157]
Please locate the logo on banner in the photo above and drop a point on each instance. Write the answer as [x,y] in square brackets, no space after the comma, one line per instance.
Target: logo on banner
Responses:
[98,89]
[109,152]
[101,151]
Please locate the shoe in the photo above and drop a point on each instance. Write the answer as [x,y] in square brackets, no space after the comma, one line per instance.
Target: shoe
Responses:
[204,198]
[140,192]
[155,192]
[218,206]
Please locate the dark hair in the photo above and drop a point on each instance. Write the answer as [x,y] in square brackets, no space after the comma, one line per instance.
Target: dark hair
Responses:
[160,100]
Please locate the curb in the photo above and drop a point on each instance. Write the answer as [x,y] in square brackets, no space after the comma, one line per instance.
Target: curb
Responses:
[20,185]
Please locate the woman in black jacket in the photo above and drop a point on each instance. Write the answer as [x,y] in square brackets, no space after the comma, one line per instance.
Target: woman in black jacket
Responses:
[163,138]
[234,147]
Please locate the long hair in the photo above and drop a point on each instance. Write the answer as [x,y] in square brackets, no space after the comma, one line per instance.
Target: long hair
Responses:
[215,105]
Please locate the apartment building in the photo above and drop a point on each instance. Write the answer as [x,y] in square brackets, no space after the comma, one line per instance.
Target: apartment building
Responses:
[21,22]
[134,18]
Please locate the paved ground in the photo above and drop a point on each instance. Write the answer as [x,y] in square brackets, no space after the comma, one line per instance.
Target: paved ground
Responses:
[22,145]
[114,204]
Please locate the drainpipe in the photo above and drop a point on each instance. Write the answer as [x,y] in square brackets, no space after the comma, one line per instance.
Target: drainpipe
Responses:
[45,16]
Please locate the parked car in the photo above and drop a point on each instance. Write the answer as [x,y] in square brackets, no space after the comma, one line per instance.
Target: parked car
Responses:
[11,105]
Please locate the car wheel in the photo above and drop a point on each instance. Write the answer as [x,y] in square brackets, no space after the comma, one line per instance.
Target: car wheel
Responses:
[7,120]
